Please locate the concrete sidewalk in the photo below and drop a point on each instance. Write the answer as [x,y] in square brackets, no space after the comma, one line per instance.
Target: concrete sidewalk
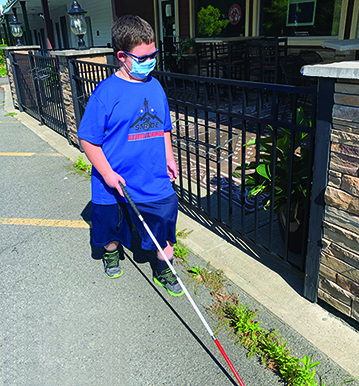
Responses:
[259,275]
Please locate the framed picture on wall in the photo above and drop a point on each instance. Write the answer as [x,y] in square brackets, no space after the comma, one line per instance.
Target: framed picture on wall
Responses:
[301,13]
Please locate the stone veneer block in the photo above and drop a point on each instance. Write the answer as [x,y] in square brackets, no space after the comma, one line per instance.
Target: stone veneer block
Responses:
[342,237]
[340,266]
[347,88]
[328,273]
[344,164]
[336,291]
[341,200]
[340,124]
[341,253]
[335,179]
[349,285]
[346,100]
[348,141]
[346,310]
[346,113]
[344,219]
[350,185]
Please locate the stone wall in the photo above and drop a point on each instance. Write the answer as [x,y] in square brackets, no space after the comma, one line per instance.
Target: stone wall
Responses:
[11,80]
[339,265]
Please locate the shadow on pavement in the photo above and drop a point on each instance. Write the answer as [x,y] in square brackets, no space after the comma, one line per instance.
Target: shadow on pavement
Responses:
[224,371]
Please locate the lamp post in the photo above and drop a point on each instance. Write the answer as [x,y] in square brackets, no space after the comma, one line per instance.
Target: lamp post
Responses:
[78,23]
[16,30]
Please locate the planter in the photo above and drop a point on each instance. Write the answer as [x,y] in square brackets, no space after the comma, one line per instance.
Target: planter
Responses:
[296,227]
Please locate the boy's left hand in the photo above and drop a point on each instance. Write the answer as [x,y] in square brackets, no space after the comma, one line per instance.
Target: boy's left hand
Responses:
[172,170]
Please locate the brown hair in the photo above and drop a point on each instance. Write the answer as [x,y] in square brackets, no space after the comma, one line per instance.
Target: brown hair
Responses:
[130,31]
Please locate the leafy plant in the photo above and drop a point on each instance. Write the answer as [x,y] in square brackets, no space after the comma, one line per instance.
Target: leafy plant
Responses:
[269,346]
[260,180]
[80,166]
[179,250]
[212,278]
[195,271]
[10,114]
[210,21]
[184,45]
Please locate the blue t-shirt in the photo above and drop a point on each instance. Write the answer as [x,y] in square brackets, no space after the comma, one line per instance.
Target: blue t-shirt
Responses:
[128,119]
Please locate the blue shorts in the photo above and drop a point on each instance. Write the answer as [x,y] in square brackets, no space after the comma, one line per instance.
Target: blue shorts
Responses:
[114,223]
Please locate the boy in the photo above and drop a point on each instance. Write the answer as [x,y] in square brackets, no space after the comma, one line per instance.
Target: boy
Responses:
[125,133]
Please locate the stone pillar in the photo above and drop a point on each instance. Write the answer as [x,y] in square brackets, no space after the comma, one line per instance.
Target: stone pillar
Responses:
[95,55]
[339,264]
[15,49]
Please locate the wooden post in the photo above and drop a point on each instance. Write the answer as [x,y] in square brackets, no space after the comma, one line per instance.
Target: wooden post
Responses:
[48,25]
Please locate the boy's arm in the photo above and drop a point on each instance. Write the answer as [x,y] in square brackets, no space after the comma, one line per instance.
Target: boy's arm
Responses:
[96,156]
[171,163]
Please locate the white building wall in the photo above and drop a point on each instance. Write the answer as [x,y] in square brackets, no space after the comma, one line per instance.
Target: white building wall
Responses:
[99,12]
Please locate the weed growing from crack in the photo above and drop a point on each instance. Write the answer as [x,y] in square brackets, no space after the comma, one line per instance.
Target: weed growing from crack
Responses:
[245,328]
[269,346]
[211,278]
[180,251]
[80,167]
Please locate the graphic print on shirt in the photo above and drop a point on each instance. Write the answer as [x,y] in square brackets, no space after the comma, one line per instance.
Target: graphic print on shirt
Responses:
[147,125]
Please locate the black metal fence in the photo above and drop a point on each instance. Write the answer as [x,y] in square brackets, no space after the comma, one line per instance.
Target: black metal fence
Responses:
[38,88]
[244,152]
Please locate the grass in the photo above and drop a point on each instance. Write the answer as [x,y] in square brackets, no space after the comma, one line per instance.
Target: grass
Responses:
[245,328]
[10,114]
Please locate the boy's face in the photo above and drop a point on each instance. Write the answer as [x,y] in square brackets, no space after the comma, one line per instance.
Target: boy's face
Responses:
[140,50]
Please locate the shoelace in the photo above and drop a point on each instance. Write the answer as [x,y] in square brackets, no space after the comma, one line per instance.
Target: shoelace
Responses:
[112,259]
[168,275]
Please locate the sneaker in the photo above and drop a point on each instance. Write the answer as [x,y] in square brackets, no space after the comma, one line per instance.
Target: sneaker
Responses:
[168,280]
[112,264]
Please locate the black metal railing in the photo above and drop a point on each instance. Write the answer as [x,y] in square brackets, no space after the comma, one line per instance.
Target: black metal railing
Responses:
[38,87]
[213,120]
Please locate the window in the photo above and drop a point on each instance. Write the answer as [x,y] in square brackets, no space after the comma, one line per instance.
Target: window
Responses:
[231,10]
[300,17]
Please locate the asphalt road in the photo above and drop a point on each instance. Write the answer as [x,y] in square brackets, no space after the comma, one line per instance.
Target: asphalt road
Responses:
[63,322]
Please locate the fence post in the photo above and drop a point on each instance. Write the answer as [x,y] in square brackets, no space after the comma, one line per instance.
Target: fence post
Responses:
[320,176]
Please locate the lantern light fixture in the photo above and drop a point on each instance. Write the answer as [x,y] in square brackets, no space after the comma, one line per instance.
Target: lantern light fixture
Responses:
[16,30]
[78,23]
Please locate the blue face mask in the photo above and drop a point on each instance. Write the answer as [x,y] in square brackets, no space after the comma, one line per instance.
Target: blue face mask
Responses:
[141,70]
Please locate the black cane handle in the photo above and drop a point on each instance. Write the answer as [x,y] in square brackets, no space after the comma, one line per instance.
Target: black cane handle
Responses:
[129,199]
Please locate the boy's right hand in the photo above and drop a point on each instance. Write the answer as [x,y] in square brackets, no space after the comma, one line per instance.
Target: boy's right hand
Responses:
[112,180]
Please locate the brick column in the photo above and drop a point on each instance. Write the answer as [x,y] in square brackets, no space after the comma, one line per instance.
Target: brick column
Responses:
[339,263]
[95,55]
